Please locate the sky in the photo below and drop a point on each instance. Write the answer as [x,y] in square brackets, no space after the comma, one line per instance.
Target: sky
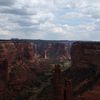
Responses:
[50,19]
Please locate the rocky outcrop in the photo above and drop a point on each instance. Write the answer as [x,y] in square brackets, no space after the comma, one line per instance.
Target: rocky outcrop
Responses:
[85,54]
[29,63]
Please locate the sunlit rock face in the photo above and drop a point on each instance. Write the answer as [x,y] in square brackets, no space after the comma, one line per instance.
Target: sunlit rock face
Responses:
[34,51]
[30,62]
[33,55]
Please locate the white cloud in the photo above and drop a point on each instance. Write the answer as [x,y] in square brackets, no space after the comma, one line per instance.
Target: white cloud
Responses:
[50,19]
[42,17]
[94,12]
[74,15]
[72,3]
[4,32]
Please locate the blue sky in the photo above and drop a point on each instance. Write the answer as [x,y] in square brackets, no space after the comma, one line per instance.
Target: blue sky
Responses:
[50,19]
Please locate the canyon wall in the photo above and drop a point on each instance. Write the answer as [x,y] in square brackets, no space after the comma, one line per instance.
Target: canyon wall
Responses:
[85,54]
[29,65]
